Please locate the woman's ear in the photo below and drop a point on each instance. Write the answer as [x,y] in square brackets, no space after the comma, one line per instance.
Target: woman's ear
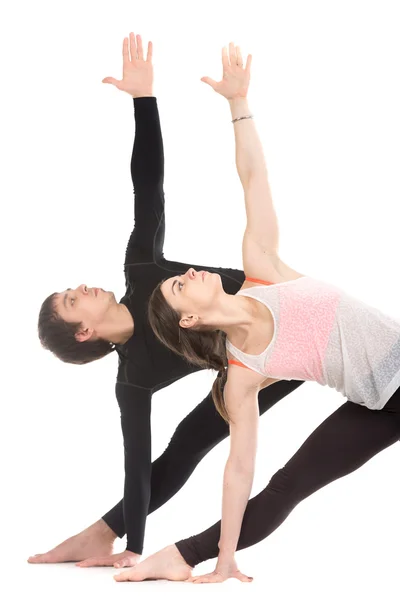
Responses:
[188,321]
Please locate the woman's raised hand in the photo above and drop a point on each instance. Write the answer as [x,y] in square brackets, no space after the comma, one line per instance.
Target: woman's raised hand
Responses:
[137,71]
[235,79]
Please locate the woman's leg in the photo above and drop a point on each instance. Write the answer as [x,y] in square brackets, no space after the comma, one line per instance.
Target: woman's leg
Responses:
[345,441]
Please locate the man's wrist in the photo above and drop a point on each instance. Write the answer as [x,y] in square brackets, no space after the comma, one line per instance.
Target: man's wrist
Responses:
[144,95]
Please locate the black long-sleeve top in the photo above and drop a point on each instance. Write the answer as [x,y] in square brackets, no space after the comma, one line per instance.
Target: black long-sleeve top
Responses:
[145,365]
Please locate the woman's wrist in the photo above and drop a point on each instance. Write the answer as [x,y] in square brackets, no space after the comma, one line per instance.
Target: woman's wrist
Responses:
[226,553]
[239,107]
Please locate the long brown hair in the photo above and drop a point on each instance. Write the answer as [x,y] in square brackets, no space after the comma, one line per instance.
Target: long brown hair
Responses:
[204,348]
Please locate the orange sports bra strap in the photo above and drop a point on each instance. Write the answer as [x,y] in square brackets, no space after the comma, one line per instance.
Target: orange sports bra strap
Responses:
[237,363]
[259,281]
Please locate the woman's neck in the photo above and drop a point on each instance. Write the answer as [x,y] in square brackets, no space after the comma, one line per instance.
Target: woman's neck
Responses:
[233,314]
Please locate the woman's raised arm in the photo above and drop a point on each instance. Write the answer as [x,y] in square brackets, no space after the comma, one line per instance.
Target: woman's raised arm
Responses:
[261,236]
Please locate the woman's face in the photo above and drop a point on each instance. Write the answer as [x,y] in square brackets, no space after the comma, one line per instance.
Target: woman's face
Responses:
[192,293]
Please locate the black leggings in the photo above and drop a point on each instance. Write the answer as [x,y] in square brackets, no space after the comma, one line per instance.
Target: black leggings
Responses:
[194,437]
[345,441]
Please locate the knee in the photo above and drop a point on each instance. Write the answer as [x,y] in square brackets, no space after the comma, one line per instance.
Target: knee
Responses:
[290,483]
[184,448]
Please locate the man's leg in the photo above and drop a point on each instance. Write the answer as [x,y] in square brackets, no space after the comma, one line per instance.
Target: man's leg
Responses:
[198,433]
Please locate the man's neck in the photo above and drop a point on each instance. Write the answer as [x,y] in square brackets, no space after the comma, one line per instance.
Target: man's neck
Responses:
[120,326]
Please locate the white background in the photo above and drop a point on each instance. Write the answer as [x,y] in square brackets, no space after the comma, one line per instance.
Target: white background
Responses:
[325,96]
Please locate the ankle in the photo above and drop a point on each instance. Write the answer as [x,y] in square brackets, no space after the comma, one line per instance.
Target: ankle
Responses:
[102,529]
[175,549]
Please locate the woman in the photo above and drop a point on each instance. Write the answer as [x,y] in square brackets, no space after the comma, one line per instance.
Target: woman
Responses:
[282,325]
[86,324]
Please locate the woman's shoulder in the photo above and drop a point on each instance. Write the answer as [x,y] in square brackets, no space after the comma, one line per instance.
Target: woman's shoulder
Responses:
[277,272]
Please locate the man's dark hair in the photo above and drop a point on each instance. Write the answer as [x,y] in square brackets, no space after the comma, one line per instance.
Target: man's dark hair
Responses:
[58,336]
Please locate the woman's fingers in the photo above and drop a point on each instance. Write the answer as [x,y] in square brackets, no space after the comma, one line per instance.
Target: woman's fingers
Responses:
[225,59]
[209,81]
[234,58]
[239,59]
[242,577]
[232,53]
[208,578]
[217,577]
[248,63]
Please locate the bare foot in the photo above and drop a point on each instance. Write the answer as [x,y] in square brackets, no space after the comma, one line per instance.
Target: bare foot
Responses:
[165,564]
[96,540]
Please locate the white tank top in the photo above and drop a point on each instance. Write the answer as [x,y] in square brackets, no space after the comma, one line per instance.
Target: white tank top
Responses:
[322,334]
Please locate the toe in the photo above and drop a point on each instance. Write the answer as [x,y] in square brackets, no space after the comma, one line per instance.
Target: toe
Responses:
[38,558]
[33,559]
[82,563]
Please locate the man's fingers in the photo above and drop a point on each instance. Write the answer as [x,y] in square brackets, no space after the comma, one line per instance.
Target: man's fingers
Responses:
[97,561]
[149,52]
[125,562]
[121,563]
[111,80]
[132,46]
[139,47]
[125,52]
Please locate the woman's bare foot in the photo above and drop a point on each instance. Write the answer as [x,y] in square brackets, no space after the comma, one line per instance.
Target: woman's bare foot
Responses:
[165,564]
[96,540]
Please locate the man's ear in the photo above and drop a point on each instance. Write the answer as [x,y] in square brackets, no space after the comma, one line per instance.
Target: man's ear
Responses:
[84,334]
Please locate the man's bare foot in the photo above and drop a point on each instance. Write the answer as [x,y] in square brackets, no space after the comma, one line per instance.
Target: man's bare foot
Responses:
[96,540]
[165,564]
